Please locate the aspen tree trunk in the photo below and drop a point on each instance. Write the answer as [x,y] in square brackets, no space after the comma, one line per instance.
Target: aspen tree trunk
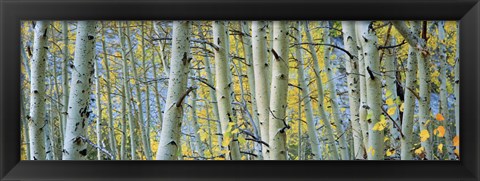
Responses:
[66,60]
[424,102]
[124,124]
[279,89]
[131,119]
[341,132]
[457,87]
[179,68]
[369,42]
[144,140]
[194,120]
[349,39]
[223,86]
[409,105]
[111,125]
[443,90]
[126,91]
[247,50]
[78,104]
[211,91]
[37,92]
[390,64]
[363,90]
[157,93]
[260,67]
[23,114]
[99,110]
[147,90]
[332,152]
[57,97]
[307,101]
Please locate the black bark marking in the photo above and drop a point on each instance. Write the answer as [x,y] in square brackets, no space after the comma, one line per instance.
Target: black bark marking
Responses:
[83,152]
[370,73]
[90,37]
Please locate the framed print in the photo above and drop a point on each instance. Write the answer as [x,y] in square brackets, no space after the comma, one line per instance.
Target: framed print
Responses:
[244,90]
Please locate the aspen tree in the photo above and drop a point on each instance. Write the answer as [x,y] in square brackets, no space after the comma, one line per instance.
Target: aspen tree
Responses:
[99,110]
[307,101]
[363,89]
[341,132]
[37,119]
[351,65]
[169,144]
[279,89]
[74,147]
[65,62]
[223,89]
[406,143]
[147,90]
[443,90]
[260,67]
[369,40]
[332,152]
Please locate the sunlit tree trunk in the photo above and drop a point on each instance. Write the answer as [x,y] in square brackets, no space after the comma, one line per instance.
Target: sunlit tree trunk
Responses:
[194,124]
[144,140]
[177,84]
[74,147]
[147,91]
[443,89]
[332,152]
[124,124]
[65,62]
[37,92]
[349,40]
[279,89]
[111,125]
[406,143]
[369,42]
[260,66]
[339,128]
[223,87]
[363,90]
[307,101]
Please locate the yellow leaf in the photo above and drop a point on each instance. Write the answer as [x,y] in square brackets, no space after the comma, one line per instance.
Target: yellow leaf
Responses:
[389,101]
[440,148]
[440,131]
[401,107]
[371,151]
[388,93]
[424,135]
[380,126]
[426,122]
[419,150]
[456,141]
[235,131]
[391,111]
[440,117]
[390,152]
[241,140]
[386,139]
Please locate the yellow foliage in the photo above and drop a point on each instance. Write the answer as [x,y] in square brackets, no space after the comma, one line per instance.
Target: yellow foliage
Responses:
[390,152]
[401,107]
[371,151]
[440,131]
[391,111]
[440,117]
[389,101]
[419,150]
[380,126]
[440,148]
[456,141]
[424,135]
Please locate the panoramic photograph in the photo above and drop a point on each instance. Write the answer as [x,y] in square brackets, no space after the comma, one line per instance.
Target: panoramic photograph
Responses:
[240,90]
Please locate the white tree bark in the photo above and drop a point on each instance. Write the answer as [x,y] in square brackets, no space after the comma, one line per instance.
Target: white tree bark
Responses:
[37,92]
[349,40]
[332,152]
[223,86]
[177,84]
[279,90]
[339,128]
[369,40]
[304,80]
[406,143]
[260,66]
[363,90]
[65,86]
[74,147]
[99,110]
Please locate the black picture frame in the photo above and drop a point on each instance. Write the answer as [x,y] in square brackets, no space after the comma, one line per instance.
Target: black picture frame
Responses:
[13,11]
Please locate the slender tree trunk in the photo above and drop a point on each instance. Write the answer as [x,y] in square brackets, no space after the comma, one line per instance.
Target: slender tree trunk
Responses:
[332,148]
[111,125]
[443,90]
[65,86]
[99,111]
[124,123]
[23,116]
[260,65]
[144,139]
[369,42]
[307,101]
[363,90]
[157,93]
[147,90]
[406,143]
[279,89]
[341,132]
[198,144]
[349,39]
[78,107]
[223,88]
[37,92]
[170,134]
